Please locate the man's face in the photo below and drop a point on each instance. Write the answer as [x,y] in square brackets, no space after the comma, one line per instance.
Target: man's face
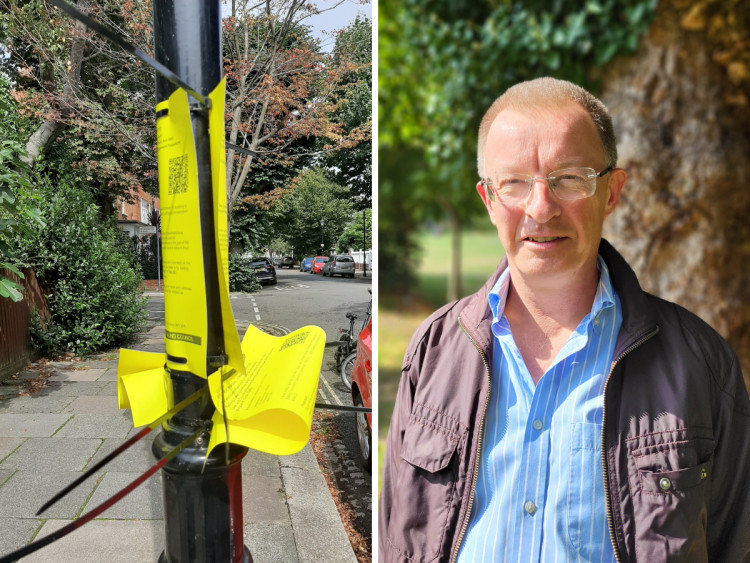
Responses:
[538,144]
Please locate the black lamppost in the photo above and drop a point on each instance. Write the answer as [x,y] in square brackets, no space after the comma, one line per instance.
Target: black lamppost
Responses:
[322,246]
[364,242]
[202,491]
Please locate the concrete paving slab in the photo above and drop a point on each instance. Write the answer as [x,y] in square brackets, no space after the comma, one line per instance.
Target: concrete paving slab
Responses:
[96,426]
[75,388]
[260,463]
[77,374]
[109,375]
[93,405]
[110,541]
[99,364]
[315,519]
[136,458]
[263,499]
[109,389]
[26,491]
[64,454]
[31,425]
[6,474]
[271,542]
[144,503]
[7,445]
[17,532]
[40,402]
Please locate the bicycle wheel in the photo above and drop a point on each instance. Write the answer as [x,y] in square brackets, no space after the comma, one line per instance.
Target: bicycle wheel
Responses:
[346,370]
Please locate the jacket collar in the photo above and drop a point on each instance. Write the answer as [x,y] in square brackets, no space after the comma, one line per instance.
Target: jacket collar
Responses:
[637,314]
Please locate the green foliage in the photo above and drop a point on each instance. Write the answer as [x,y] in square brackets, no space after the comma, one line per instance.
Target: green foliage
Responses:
[241,275]
[314,198]
[441,64]
[356,233]
[87,269]
[18,207]
[352,166]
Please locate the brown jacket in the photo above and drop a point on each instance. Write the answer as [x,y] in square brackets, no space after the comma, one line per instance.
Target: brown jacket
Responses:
[675,407]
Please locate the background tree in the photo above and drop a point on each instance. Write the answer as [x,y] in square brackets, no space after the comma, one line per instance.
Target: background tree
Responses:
[357,234]
[441,65]
[680,106]
[280,89]
[92,101]
[297,216]
[352,166]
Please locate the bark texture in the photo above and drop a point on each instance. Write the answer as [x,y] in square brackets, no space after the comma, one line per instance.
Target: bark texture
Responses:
[682,119]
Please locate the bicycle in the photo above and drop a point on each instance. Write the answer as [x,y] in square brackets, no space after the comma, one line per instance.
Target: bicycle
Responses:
[346,353]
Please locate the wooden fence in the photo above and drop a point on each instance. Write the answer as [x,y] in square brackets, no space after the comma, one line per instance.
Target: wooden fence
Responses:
[15,345]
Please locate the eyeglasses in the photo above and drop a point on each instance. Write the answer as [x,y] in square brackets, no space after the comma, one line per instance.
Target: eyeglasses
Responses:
[566,184]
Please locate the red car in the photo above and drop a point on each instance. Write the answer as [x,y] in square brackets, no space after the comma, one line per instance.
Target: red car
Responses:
[317,264]
[362,394]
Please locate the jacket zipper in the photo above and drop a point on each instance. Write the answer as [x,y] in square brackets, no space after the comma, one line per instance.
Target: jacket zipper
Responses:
[465,524]
[608,504]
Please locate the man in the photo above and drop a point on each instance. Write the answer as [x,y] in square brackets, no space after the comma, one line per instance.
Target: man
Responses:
[561,413]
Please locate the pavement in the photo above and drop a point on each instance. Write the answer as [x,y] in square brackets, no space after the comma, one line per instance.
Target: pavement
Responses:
[70,420]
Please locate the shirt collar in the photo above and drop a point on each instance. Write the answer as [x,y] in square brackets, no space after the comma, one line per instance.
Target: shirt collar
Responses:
[603,299]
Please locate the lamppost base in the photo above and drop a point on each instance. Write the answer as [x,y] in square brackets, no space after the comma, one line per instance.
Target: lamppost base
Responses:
[246,557]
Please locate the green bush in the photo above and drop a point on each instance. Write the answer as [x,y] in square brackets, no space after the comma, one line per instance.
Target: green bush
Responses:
[241,275]
[88,272]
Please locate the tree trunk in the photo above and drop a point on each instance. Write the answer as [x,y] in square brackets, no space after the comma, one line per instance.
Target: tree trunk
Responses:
[48,131]
[680,107]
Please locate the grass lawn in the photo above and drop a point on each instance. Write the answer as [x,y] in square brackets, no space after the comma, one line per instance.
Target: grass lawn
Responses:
[481,253]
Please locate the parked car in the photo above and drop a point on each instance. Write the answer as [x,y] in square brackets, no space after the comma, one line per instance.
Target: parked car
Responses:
[339,264]
[264,270]
[304,266]
[287,262]
[276,261]
[362,395]
[317,264]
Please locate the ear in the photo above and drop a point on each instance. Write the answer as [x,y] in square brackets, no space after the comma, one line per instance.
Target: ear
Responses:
[616,182]
[486,200]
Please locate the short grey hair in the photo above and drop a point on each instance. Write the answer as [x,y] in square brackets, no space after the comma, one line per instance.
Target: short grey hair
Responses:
[549,93]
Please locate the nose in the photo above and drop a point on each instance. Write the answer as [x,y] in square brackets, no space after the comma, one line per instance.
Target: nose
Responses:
[541,204]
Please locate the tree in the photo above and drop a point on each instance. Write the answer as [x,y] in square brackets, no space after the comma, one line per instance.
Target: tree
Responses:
[313,214]
[280,89]
[680,107]
[441,65]
[352,166]
[358,233]
[93,102]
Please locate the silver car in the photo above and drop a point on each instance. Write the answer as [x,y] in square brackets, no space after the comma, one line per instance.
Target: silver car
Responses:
[341,264]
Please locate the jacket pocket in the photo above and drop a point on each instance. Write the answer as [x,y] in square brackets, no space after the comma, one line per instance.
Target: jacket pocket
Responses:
[670,486]
[424,492]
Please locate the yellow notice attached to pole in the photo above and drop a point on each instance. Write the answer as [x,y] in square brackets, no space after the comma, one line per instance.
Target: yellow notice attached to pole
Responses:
[183,260]
[269,407]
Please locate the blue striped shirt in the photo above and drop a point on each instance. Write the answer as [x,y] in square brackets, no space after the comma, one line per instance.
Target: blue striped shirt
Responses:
[540,490]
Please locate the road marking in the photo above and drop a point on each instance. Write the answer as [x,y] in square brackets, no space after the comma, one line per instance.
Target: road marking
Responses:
[323,394]
[305,286]
[335,398]
[257,317]
[256,309]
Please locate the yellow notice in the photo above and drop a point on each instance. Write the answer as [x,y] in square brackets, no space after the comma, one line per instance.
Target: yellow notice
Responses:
[269,407]
[182,254]
[218,182]
[142,385]
[184,282]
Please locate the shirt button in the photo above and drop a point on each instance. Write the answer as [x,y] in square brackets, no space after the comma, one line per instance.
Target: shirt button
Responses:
[596,321]
[704,473]
[664,484]
[530,507]
[537,424]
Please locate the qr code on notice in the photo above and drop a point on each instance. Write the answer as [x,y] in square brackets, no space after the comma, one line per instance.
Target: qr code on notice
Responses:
[178,175]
